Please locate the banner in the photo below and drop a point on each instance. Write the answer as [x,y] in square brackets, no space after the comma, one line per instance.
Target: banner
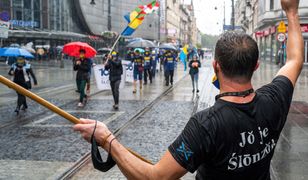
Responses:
[102,77]
[129,71]
[4,29]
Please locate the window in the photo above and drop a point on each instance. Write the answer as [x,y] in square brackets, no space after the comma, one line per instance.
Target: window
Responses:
[271,4]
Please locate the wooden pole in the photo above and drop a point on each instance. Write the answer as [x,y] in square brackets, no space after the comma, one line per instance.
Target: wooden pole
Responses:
[51,107]
[39,100]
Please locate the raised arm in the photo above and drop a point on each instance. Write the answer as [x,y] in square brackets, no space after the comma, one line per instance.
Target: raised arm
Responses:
[295,45]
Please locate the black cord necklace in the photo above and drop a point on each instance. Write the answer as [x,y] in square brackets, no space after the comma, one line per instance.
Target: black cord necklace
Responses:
[238,94]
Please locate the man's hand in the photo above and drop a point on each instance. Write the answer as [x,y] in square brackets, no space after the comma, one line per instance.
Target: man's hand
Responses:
[86,128]
[290,6]
[78,62]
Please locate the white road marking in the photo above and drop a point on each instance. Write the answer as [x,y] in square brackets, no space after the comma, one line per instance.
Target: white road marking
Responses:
[37,124]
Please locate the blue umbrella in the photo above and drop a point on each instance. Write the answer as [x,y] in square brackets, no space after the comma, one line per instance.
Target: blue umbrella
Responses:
[167,46]
[15,52]
[140,50]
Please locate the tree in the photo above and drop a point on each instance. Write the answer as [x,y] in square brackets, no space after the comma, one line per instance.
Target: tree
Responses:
[209,41]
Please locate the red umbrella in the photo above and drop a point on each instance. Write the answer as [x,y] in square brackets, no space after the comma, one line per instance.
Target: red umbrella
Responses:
[73,48]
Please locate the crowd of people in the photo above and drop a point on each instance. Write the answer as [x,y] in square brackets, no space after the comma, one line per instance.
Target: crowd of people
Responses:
[146,65]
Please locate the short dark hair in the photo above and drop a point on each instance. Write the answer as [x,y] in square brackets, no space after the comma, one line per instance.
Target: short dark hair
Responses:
[237,54]
[82,51]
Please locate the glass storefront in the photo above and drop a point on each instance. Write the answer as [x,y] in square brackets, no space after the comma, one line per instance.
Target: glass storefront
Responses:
[268,44]
[306,51]
[50,15]
[274,48]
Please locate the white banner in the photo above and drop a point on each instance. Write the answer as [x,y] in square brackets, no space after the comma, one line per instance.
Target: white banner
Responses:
[129,71]
[4,29]
[102,77]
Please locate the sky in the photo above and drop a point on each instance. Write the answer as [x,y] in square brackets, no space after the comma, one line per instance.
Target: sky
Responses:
[209,20]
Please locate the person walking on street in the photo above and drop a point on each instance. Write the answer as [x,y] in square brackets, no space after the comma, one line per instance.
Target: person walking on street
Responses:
[169,64]
[129,55]
[194,65]
[148,65]
[138,69]
[155,59]
[114,65]
[83,68]
[235,139]
[88,86]
[22,72]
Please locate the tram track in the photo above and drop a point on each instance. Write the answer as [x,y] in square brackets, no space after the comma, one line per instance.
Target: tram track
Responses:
[86,159]
[28,119]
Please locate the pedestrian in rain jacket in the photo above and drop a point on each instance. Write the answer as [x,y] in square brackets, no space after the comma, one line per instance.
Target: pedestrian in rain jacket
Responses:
[138,69]
[155,59]
[194,65]
[83,68]
[114,65]
[148,65]
[169,64]
[22,72]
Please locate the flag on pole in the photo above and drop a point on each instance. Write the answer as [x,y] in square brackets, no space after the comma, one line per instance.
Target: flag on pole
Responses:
[136,17]
[183,56]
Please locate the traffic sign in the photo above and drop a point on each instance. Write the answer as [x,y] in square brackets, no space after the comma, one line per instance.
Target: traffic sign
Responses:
[230,27]
[281,37]
[282,27]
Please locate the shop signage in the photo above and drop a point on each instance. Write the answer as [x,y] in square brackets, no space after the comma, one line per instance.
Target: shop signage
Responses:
[259,34]
[230,27]
[282,27]
[304,28]
[172,31]
[267,32]
[273,30]
[4,29]
[21,23]
[4,16]
[281,37]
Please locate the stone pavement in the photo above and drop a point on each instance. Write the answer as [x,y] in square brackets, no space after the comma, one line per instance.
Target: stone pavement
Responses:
[47,140]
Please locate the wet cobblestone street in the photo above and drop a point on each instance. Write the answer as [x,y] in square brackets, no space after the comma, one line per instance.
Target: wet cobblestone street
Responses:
[38,144]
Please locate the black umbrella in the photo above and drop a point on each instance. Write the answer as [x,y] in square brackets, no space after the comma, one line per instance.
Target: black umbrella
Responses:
[167,46]
[141,44]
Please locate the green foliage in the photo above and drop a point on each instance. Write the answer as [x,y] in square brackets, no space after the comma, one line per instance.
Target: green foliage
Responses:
[209,41]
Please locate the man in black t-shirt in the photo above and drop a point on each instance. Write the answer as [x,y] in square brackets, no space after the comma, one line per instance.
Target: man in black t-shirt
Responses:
[235,138]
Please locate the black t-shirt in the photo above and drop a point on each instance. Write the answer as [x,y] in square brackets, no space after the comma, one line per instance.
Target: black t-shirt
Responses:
[235,141]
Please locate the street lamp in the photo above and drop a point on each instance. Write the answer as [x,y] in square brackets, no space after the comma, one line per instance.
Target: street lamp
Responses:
[224,20]
[92,2]
[233,16]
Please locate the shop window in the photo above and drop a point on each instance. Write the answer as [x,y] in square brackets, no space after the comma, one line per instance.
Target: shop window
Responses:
[18,15]
[306,50]
[271,4]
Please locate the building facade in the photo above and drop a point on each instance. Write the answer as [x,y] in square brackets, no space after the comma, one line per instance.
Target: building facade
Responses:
[45,22]
[270,14]
[56,22]
[178,23]
[260,19]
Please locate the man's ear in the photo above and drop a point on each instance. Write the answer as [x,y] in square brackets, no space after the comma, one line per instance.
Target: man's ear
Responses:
[257,65]
[215,66]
